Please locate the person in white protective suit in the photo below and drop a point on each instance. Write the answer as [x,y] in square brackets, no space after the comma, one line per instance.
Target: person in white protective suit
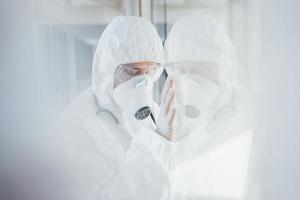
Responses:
[209,105]
[116,141]
[109,134]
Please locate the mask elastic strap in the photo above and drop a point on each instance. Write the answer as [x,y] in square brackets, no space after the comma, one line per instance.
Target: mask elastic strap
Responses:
[101,109]
[152,117]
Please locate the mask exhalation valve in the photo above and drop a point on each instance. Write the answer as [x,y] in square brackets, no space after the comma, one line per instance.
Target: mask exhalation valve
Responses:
[143,113]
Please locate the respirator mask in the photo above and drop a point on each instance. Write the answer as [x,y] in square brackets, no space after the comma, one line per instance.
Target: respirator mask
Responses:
[196,90]
[133,92]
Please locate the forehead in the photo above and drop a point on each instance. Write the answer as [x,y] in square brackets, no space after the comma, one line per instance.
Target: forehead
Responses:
[144,64]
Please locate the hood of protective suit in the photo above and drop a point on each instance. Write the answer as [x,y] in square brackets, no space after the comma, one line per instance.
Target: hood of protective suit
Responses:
[200,38]
[125,40]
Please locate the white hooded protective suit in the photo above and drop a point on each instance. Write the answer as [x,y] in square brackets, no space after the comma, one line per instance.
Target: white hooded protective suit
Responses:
[106,160]
[199,38]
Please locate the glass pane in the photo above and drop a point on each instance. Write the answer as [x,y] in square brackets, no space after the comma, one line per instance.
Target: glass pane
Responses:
[221,171]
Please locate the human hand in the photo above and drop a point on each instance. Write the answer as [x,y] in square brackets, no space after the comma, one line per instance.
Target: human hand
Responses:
[165,122]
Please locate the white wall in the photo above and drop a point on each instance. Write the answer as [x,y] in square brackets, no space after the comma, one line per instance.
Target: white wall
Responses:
[276,161]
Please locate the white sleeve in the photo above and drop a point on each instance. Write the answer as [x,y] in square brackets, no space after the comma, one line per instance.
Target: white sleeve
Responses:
[144,174]
[104,170]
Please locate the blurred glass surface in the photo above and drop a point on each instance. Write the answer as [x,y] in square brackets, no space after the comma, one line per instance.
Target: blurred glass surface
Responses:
[46,56]
[47,51]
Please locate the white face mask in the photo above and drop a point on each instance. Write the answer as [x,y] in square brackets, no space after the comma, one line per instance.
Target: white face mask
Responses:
[195,95]
[135,98]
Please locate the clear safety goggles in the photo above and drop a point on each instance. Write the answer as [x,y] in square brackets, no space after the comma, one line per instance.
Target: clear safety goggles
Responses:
[206,69]
[127,71]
